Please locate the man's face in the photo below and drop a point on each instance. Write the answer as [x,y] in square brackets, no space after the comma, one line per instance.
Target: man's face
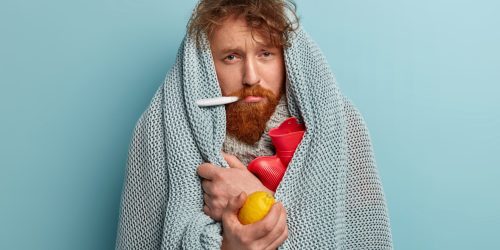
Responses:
[250,67]
[243,61]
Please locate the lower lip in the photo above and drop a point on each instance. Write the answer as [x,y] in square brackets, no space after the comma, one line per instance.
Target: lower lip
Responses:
[253,99]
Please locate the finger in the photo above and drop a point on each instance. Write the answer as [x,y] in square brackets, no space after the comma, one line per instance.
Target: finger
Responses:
[236,203]
[279,241]
[233,161]
[207,171]
[206,210]
[216,205]
[207,186]
[215,214]
[230,214]
[210,202]
[207,199]
[274,238]
[263,227]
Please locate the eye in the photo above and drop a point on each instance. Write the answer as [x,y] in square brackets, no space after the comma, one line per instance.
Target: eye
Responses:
[231,58]
[266,53]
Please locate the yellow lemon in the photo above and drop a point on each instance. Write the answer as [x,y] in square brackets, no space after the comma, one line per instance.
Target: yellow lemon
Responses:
[256,207]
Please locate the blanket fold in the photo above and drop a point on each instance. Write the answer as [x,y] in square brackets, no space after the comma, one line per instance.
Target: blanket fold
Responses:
[331,190]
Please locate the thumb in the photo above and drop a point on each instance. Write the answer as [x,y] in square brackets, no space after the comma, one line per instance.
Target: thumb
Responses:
[233,161]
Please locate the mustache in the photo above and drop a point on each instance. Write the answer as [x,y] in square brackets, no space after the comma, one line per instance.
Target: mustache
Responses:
[255,90]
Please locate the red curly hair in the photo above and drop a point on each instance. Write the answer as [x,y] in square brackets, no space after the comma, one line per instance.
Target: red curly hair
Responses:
[275,19]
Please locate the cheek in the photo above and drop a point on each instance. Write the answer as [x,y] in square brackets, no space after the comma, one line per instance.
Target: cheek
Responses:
[229,79]
[275,75]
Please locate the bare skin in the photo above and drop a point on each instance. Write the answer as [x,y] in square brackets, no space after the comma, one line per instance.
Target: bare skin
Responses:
[221,184]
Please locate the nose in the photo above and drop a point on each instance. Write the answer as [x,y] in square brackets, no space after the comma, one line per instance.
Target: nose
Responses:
[251,74]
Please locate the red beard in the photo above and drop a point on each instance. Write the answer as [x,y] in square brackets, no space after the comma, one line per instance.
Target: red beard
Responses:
[247,121]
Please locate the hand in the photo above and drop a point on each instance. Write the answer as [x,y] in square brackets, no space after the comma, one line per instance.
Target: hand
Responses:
[268,233]
[222,184]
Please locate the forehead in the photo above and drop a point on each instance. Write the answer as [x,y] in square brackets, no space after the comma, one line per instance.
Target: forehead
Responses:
[235,32]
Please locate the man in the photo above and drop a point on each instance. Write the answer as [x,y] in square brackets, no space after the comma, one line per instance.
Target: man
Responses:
[187,172]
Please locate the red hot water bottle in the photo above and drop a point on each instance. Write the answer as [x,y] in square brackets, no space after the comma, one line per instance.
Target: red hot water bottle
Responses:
[285,138]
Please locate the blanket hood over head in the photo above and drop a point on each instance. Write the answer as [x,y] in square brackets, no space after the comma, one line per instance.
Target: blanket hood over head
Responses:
[331,190]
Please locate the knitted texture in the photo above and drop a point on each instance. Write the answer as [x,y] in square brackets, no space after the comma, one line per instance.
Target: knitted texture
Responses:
[331,190]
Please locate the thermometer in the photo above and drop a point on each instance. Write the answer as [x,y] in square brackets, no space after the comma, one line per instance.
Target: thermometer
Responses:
[216,101]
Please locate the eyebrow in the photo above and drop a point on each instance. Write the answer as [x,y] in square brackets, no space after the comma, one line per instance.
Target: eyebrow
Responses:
[240,49]
[231,49]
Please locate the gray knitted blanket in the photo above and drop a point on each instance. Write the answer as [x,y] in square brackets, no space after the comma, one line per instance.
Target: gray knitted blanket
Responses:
[331,190]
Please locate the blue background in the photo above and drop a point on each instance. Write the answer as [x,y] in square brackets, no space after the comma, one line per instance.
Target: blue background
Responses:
[76,75]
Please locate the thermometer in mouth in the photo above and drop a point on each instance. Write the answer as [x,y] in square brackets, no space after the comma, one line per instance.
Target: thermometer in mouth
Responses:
[216,101]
